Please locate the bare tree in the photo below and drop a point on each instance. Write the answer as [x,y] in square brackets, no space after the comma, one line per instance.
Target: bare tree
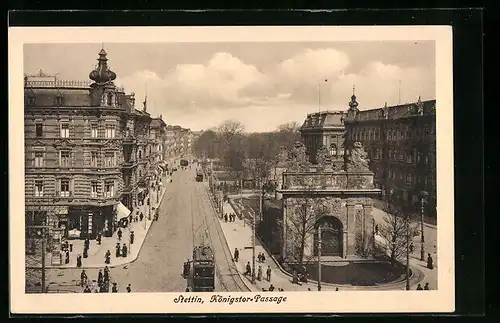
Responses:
[229,130]
[395,230]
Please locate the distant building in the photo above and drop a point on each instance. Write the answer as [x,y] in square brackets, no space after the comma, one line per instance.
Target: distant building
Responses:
[400,142]
[86,161]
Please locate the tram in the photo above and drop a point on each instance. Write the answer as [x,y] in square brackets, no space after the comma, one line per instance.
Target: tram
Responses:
[200,272]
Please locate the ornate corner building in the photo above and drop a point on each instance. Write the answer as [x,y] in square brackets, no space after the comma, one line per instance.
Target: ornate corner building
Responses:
[89,155]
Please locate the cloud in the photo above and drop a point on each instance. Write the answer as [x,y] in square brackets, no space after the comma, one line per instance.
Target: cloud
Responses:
[227,87]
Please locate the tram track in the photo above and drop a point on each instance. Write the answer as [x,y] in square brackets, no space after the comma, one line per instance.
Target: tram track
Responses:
[225,269]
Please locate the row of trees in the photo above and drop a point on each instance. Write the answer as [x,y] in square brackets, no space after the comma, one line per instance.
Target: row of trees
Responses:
[249,155]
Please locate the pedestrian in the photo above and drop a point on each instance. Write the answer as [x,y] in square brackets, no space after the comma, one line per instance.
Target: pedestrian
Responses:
[67,257]
[85,252]
[124,251]
[419,287]
[430,264]
[309,289]
[129,289]
[83,278]
[100,279]
[376,229]
[117,250]
[411,247]
[131,237]
[141,216]
[271,288]
[236,254]
[107,257]
[79,261]
[87,289]
[119,234]
[225,217]
[248,269]
[106,275]
[98,238]
[262,257]
[114,289]
[336,289]
[259,273]
[268,273]
[86,243]
[426,286]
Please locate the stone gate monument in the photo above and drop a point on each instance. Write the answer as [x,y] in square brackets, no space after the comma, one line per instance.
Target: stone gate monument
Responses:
[336,198]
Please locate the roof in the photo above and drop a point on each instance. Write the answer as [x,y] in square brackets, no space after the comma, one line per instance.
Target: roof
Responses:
[203,253]
[398,111]
[46,97]
[157,123]
[324,120]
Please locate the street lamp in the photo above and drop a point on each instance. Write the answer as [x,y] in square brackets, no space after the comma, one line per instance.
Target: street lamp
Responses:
[423,195]
[319,258]
[407,252]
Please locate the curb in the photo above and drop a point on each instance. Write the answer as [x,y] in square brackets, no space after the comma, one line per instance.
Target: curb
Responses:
[117,265]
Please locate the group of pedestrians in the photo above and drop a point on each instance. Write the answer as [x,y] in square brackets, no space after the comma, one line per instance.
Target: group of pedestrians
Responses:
[231,217]
[86,247]
[102,284]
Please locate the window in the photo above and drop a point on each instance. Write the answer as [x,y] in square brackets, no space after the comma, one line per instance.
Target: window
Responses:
[39,159]
[409,158]
[110,131]
[38,188]
[64,188]
[39,130]
[94,189]
[93,159]
[109,189]
[140,154]
[409,178]
[110,99]
[109,159]
[94,131]
[59,101]
[64,158]
[64,130]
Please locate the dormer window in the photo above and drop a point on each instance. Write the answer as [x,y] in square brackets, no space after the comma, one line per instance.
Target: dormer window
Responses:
[59,100]
[30,100]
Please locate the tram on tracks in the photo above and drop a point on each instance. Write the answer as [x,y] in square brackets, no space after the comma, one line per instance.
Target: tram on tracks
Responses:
[200,272]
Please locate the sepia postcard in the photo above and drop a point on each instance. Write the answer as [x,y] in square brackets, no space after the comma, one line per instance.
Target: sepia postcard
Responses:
[231,170]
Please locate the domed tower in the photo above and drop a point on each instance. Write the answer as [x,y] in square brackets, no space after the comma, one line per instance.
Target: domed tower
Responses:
[353,106]
[103,89]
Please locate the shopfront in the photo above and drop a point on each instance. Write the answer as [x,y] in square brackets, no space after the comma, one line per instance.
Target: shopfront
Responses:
[88,221]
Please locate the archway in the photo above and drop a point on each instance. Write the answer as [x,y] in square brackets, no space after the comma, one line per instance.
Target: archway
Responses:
[331,236]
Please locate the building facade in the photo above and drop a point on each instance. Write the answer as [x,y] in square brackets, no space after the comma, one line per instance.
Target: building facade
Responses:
[324,129]
[83,152]
[400,142]
[178,142]
[401,145]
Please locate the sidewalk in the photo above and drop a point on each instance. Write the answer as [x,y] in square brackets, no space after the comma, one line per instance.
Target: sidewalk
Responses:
[96,252]
[239,235]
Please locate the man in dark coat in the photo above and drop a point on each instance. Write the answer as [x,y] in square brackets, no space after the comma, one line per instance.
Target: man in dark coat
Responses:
[426,286]
[430,263]
[107,257]
[132,237]
[87,290]
[248,269]
[105,277]
[268,273]
[79,261]
[236,254]
[419,287]
[67,257]
[119,234]
[129,289]
[100,278]
[124,250]
[114,289]
[83,278]
[117,249]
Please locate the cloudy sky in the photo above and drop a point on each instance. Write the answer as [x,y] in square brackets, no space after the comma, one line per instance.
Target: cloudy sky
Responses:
[262,85]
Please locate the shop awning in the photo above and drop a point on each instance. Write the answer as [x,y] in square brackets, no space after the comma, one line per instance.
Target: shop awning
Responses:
[121,211]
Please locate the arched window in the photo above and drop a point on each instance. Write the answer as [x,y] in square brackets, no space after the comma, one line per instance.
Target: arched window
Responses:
[333,150]
[110,99]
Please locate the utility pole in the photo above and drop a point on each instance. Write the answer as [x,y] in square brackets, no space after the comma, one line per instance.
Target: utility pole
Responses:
[319,258]
[253,247]
[407,253]
[422,238]
[43,260]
